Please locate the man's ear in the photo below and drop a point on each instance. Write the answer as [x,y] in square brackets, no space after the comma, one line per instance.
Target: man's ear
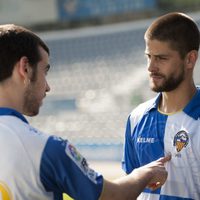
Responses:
[191,59]
[24,68]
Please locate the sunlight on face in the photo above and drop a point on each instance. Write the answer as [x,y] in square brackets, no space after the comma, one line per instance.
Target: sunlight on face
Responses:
[165,66]
[36,89]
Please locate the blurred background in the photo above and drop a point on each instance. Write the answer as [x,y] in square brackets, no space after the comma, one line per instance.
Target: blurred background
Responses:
[98,70]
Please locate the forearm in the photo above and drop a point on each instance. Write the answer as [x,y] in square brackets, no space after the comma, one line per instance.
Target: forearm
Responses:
[133,184]
[128,187]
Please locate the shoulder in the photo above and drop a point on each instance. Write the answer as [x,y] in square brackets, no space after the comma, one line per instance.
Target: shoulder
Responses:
[25,136]
[143,108]
[192,109]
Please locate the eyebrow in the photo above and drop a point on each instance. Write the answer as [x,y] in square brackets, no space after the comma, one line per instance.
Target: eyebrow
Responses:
[157,55]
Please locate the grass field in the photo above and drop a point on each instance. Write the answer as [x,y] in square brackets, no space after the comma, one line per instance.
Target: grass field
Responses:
[110,170]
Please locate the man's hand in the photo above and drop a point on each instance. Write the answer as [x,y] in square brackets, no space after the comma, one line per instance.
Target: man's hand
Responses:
[152,176]
[159,173]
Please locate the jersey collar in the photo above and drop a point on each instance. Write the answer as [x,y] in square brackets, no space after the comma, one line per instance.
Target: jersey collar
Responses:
[192,108]
[153,103]
[12,112]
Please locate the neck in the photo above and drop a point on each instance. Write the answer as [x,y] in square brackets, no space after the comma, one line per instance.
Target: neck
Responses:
[10,98]
[176,100]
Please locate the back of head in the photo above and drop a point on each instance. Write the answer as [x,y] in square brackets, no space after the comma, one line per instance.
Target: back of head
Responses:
[16,42]
[176,28]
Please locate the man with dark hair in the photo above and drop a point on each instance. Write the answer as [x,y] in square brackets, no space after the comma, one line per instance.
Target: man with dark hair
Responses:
[34,165]
[170,121]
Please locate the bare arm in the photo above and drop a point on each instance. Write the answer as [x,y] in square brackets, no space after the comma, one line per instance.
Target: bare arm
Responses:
[129,187]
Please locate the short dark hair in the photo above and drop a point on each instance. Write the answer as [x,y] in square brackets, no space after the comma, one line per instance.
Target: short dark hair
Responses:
[16,42]
[178,29]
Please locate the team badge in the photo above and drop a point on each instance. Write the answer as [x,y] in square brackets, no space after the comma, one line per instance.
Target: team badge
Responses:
[181,140]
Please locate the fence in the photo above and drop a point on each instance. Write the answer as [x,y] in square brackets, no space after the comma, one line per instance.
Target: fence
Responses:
[97,77]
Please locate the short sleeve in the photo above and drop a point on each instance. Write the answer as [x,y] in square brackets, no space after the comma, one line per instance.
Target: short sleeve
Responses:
[64,170]
[129,160]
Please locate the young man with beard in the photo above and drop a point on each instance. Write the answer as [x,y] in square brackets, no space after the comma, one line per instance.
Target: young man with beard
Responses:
[170,121]
[34,165]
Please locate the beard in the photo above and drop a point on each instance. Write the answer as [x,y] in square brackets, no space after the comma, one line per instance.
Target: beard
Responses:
[170,83]
[31,106]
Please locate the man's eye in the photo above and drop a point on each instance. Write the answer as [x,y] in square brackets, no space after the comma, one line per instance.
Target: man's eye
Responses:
[162,58]
[148,56]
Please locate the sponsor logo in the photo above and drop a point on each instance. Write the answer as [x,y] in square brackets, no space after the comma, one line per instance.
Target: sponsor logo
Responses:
[75,154]
[80,161]
[181,140]
[145,140]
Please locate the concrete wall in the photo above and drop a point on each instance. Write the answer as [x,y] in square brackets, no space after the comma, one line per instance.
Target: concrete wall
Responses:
[33,12]
[76,9]
[28,12]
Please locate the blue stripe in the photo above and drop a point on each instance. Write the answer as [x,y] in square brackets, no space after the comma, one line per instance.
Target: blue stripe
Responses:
[130,157]
[12,112]
[148,136]
[193,107]
[166,197]
[148,139]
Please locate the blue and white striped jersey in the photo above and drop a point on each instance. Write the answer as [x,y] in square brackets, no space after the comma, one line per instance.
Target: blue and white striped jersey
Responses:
[151,134]
[36,166]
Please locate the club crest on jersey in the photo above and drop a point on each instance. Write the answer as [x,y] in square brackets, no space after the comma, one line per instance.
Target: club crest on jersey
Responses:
[181,140]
